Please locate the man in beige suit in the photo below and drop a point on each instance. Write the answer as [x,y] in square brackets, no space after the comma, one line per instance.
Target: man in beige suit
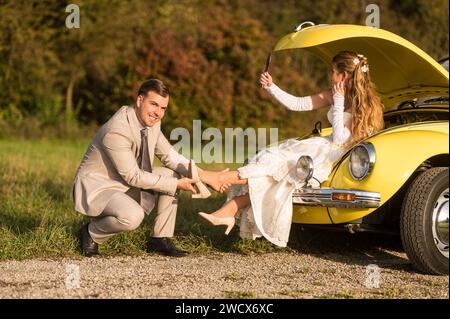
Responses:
[117,183]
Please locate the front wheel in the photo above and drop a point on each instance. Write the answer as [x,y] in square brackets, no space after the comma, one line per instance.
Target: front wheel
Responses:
[424,221]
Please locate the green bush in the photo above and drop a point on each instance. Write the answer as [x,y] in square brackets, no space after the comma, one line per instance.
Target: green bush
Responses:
[209,53]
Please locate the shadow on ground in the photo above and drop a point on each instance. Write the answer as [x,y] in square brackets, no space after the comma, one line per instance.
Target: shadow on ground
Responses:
[361,248]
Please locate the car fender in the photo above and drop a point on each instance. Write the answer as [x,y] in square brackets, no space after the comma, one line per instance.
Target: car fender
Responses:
[399,152]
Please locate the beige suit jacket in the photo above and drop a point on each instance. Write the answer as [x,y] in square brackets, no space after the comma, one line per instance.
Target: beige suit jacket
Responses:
[110,163]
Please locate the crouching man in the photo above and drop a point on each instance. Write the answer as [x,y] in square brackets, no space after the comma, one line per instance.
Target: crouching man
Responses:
[116,182]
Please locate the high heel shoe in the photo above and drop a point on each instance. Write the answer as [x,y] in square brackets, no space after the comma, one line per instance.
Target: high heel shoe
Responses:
[203,191]
[228,221]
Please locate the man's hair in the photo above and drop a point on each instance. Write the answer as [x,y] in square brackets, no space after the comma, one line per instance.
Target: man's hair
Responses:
[153,85]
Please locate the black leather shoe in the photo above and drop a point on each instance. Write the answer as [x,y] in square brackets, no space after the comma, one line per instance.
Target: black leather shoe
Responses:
[88,247]
[164,246]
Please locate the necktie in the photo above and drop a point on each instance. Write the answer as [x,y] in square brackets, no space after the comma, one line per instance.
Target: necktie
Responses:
[146,196]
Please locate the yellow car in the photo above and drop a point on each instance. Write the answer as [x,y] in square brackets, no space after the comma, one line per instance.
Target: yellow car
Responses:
[398,178]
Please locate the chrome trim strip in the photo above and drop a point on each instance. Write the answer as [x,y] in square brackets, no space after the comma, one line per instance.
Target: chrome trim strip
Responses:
[323,197]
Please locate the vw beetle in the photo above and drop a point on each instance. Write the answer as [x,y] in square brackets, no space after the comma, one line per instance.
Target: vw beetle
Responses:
[397,179]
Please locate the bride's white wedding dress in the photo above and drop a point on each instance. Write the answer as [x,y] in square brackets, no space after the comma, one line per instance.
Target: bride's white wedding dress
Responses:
[271,172]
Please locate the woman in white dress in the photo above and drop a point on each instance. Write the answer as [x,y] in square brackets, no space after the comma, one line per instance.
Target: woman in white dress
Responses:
[262,189]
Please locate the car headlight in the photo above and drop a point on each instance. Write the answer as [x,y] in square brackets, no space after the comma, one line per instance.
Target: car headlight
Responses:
[362,160]
[305,168]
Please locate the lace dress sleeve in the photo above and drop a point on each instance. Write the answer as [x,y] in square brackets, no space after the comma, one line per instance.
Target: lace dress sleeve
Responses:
[291,102]
[341,134]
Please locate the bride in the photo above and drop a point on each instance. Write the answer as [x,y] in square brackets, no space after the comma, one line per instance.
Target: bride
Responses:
[262,189]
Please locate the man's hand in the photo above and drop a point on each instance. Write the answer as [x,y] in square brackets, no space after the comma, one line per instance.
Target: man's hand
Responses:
[186,184]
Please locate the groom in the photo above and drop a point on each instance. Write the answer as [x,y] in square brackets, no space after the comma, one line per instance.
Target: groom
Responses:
[117,183]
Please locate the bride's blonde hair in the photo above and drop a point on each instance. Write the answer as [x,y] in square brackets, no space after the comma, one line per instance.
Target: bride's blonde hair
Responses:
[360,93]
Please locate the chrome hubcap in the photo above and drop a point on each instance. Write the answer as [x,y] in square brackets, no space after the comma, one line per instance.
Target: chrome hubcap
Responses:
[440,223]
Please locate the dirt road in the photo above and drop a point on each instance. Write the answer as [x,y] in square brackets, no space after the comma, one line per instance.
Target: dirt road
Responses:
[333,266]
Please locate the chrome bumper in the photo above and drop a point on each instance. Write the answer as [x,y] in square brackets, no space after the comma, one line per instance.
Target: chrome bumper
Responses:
[329,197]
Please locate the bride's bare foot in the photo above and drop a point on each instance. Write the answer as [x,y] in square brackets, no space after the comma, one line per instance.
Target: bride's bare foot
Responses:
[214,179]
[220,181]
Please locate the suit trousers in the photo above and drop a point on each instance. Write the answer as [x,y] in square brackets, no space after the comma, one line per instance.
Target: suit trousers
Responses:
[124,213]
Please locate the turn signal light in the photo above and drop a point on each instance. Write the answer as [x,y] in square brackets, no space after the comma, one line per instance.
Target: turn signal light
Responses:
[343,196]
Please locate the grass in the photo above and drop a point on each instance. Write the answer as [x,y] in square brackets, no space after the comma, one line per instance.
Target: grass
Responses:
[339,295]
[297,293]
[37,219]
[233,276]
[391,293]
[240,295]
[327,271]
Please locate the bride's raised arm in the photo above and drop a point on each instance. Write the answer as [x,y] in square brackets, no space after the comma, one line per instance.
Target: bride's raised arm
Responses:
[295,103]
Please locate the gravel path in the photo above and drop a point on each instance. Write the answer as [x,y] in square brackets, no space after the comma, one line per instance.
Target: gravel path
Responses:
[284,274]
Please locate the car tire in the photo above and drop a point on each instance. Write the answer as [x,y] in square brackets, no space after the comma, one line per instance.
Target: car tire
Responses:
[424,239]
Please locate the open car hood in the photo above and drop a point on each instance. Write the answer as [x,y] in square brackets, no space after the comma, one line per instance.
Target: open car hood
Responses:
[399,69]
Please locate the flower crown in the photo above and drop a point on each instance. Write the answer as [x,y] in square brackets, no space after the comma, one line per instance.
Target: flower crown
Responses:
[361,58]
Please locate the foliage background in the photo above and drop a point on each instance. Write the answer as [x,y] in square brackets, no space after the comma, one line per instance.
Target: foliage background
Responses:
[59,82]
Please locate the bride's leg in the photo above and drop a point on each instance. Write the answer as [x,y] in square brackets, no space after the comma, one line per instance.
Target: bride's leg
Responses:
[230,208]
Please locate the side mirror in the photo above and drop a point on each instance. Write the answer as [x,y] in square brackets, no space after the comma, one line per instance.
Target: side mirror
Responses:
[317,128]
[269,58]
